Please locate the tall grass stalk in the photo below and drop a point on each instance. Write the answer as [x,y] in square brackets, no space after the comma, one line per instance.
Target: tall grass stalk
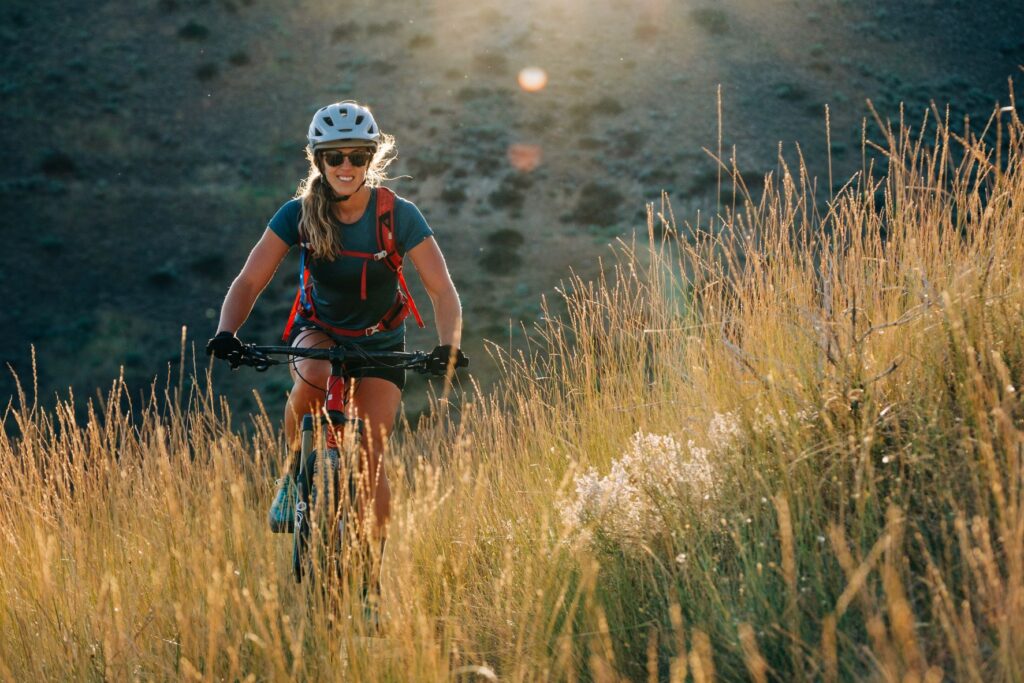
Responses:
[851,373]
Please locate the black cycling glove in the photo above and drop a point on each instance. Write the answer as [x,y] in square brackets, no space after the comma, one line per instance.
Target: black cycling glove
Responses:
[440,357]
[224,345]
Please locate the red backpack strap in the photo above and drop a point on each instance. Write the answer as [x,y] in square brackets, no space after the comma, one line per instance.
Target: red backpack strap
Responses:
[301,296]
[386,228]
[291,317]
[386,244]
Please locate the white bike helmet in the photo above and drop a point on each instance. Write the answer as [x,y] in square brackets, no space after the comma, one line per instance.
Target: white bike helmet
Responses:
[342,124]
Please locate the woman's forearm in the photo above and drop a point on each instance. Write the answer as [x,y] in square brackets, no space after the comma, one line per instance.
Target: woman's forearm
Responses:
[448,316]
[237,305]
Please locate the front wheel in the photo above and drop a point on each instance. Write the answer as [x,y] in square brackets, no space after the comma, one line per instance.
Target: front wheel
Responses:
[324,521]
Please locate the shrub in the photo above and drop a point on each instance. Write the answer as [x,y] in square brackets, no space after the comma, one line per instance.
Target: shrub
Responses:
[654,485]
[453,194]
[598,203]
[790,92]
[510,193]
[470,93]
[661,176]
[606,105]
[704,181]
[193,31]
[239,58]
[378,67]
[421,40]
[344,32]
[57,164]
[209,265]
[426,165]
[506,197]
[506,238]
[164,276]
[487,164]
[207,71]
[498,262]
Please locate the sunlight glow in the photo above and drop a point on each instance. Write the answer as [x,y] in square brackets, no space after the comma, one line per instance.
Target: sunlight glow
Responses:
[524,157]
[533,79]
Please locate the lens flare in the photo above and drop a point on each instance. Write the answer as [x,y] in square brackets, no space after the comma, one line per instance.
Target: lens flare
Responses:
[533,79]
[524,157]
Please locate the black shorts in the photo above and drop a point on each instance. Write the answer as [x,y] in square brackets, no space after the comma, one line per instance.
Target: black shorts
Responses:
[394,375]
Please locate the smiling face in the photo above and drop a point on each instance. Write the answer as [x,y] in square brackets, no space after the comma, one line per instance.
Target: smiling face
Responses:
[345,168]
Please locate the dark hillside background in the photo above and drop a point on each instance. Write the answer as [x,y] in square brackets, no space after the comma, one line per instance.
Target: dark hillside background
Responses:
[146,144]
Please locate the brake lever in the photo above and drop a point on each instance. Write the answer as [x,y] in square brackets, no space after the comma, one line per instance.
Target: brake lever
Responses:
[261,362]
[238,358]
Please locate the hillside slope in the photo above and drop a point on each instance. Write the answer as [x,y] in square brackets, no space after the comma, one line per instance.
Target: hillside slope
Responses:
[146,144]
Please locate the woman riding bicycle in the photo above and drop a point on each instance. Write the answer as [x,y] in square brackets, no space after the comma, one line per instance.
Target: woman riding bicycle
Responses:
[356,293]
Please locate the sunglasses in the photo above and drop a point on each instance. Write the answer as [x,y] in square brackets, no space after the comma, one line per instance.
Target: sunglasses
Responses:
[359,157]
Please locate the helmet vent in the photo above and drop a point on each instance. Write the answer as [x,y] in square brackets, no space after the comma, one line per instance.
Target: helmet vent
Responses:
[359,119]
[371,130]
[317,131]
[328,120]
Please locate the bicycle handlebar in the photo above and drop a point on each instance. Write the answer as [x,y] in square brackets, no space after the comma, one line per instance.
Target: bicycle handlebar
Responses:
[260,357]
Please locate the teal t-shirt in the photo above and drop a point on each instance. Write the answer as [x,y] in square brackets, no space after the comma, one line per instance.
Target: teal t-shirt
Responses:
[337,283]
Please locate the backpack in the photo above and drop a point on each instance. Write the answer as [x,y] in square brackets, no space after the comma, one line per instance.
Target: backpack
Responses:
[386,252]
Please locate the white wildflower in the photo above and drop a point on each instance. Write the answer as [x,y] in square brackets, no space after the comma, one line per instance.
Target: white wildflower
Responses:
[768,422]
[645,491]
[724,430]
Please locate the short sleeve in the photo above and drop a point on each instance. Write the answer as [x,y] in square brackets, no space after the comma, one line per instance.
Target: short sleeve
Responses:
[285,223]
[412,226]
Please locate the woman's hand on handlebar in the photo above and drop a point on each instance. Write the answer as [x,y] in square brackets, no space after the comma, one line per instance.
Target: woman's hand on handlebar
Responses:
[225,346]
[444,356]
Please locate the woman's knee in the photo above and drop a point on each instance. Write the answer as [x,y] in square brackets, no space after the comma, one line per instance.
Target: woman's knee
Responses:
[305,396]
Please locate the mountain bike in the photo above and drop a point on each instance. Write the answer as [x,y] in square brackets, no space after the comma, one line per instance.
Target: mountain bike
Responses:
[325,542]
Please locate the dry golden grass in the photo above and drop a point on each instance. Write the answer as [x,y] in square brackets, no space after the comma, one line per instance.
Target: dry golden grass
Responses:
[867,521]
